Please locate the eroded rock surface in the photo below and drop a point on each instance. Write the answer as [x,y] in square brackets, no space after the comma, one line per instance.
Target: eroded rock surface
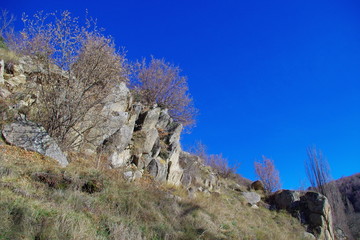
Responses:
[32,137]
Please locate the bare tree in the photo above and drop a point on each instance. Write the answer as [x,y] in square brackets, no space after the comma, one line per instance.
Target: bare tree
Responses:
[160,82]
[5,21]
[78,66]
[317,170]
[268,174]
[318,173]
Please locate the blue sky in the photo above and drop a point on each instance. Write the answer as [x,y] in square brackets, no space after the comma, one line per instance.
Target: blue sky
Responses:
[269,77]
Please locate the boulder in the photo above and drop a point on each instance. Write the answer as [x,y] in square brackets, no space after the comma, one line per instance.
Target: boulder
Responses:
[175,170]
[157,169]
[258,186]
[286,199]
[251,198]
[148,119]
[32,137]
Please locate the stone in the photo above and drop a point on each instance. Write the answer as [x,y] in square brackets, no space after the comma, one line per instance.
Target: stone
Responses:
[2,65]
[128,175]
[258,186]
[32,137]
[164,119]
[4,93]
[148,120]
[251,197]
[137,175]
[103,120]
[309,236]
[16,81]
[285,199]
[144,141]
[120,159]
[157,169]
[175,170]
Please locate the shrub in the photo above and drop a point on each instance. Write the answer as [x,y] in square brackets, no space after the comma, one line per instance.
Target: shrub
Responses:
[159,82]
[216,161]
[267,173]
[78,68]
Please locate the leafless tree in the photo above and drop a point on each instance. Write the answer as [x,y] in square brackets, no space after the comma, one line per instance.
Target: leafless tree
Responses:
[160,82]
[318,173]
[78,66]
[317,170]
[5,21]
[268,174]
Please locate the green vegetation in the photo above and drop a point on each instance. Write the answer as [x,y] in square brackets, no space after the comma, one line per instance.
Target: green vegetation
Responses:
[40,200]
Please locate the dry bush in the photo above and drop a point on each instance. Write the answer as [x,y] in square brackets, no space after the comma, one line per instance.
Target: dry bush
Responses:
[221,165]
[78,68]
[216,161]
[268,174]
[159,82]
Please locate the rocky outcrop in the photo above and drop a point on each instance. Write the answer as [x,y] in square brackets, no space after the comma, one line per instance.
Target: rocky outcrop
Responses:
[141,139]
[33,137]
[311,208]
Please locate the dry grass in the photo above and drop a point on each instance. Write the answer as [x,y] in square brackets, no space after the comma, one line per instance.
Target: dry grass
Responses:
[33,207]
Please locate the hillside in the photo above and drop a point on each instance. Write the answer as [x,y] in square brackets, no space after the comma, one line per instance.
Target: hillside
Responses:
[350,191]
[40,200]
[87,152]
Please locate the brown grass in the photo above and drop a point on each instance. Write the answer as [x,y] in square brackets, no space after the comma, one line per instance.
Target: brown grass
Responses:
[32,209]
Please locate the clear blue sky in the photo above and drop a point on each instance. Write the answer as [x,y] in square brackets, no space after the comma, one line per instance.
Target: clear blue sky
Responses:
[269,77]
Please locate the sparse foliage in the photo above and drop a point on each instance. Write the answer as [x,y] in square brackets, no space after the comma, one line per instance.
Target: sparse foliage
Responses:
[159,82]
[268,174]
[78,66]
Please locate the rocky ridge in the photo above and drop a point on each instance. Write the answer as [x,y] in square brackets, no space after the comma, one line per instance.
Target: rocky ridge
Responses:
[138,139]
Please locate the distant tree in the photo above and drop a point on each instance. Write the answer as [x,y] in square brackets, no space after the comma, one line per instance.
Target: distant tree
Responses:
[159,82]
[267,173]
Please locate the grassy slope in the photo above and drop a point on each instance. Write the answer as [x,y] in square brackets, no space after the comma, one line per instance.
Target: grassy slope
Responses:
[39,200]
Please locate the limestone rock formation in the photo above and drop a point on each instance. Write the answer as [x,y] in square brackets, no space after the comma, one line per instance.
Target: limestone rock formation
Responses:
[252,198]
[32,137]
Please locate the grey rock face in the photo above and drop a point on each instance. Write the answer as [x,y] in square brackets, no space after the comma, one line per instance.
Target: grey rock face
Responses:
[286,199]
[32,137]
[164,119]
[313,209]
[251,197]
[317,213]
